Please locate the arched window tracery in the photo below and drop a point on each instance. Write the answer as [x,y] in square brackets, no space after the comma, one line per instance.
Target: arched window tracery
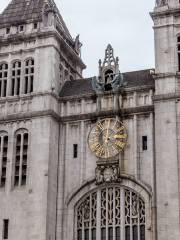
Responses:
[111,213]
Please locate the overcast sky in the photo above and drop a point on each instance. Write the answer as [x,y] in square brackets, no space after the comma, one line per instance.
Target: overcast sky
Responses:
[125,24]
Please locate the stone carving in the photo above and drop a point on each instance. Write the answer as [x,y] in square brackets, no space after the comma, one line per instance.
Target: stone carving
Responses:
[107,174]
[161,3]
[115,84]
[110,78]
[77,45]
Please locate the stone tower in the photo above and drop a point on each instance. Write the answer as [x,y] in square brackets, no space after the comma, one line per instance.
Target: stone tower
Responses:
[166,17]
[37,55]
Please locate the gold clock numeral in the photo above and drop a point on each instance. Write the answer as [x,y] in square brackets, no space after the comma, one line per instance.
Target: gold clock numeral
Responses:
[100,126]
[121,128]
[100,151]
[120,144]
[95,146]
[94,139]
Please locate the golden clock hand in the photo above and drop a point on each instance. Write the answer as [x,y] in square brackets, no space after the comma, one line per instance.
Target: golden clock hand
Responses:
[120,136]
[107,133]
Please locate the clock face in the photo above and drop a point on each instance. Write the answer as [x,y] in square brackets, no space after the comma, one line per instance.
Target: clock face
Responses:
[107,138]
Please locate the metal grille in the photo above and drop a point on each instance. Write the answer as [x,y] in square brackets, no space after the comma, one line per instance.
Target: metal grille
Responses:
[117,214]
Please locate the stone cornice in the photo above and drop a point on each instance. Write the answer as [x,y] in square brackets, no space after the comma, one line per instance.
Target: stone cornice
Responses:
[19,38]
[166,97]
[165,12]
[121,112]
[80,117]
[29,115]
[166,75]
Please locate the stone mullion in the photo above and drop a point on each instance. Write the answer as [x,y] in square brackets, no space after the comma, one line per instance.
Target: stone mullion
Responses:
[90,219]
[98,216]
[2,87]
[131,230]
[21,159]
[1,157]
[135,149]
[15,82]
[122,213]
[29,83]
[138,227]
[114,211]
[81,147]
[107,214]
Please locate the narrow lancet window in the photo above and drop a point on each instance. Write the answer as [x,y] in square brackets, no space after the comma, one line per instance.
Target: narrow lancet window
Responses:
[3,79]
[3,158]
[16,78]
[29,76]
[5,229]
[21,156]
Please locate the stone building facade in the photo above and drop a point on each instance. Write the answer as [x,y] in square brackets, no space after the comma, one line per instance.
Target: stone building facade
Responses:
[86,159]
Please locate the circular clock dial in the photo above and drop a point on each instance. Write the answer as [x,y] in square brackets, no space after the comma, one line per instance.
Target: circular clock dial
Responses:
[107,138]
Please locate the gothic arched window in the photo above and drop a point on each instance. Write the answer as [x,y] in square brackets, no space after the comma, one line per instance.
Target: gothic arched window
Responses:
[16,78]
[21,155]
[29,76]
[111,213]
[3,157]
[109,75]
[3,79]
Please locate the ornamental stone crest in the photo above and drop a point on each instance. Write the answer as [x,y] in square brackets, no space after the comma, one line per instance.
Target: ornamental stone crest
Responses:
[107,174]
[110,78]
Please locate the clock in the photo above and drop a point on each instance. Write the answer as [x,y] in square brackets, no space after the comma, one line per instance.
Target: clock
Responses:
[107,138]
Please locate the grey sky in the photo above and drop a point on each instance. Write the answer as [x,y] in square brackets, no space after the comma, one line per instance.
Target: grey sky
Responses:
[125,24]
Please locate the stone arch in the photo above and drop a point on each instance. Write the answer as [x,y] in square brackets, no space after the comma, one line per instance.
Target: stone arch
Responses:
[80,194]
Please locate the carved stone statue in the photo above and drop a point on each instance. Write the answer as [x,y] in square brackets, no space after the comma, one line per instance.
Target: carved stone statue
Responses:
[99,175]
[77,45]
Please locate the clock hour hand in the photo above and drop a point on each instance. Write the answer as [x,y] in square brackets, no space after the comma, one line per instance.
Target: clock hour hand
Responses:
[120,136]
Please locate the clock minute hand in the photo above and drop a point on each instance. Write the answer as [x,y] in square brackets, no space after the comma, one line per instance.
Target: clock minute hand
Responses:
[107,133]
[120,136]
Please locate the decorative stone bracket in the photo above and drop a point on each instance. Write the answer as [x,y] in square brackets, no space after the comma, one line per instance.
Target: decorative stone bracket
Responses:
[107,174]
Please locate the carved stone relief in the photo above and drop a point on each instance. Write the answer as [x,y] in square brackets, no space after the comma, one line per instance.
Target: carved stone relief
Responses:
[107,174]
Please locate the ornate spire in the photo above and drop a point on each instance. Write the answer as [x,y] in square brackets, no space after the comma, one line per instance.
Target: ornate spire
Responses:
[110,77]
[109,56]
[110,66]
